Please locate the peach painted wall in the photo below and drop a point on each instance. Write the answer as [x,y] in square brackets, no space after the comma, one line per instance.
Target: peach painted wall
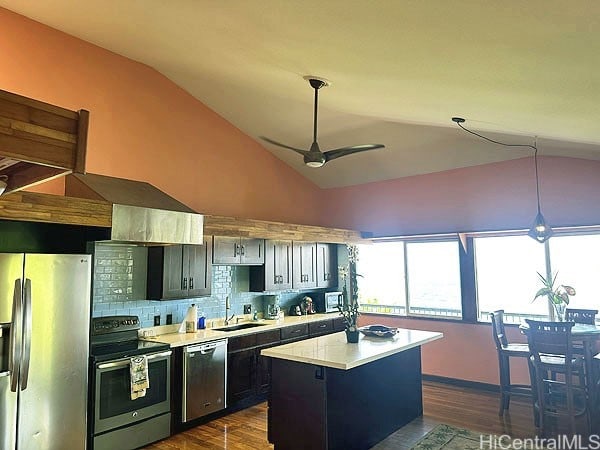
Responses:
[466,352]
[488,197]
[144,127]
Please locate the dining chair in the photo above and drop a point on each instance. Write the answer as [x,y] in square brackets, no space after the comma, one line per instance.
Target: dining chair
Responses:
[551,347]
[585,316]
[505,351]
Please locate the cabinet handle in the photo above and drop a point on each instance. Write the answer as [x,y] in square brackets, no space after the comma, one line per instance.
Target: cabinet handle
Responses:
[323,326]
[185,283]
[191,283]
[235,249]
[242,250]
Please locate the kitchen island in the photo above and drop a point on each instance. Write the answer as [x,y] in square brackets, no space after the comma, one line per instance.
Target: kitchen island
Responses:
[328,394]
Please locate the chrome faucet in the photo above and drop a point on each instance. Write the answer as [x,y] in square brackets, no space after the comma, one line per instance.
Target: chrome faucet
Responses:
[228,320]
[227,308]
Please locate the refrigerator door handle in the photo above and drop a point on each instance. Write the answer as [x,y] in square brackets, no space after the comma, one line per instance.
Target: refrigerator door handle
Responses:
[16,335]
[26,335]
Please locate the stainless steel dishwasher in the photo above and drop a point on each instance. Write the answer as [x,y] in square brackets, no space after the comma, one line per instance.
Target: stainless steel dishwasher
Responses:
[204,379]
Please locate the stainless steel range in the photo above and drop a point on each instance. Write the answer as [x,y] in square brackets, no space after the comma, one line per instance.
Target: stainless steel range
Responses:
[117,421]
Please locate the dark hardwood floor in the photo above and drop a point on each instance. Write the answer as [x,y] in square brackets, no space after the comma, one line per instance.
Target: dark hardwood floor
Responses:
[462,407]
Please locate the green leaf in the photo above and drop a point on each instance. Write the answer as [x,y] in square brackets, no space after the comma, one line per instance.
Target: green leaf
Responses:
[541,292]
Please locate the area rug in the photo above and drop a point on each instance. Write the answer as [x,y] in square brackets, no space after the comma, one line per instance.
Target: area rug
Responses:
[446,437]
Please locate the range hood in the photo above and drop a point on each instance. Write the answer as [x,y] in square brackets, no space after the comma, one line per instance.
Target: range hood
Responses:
[141,213]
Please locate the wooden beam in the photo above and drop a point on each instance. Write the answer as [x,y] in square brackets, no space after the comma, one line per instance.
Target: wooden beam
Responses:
[35,207]
[82,136]
[232,226]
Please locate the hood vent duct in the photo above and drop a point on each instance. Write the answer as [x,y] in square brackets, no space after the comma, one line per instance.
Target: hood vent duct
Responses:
[141,213]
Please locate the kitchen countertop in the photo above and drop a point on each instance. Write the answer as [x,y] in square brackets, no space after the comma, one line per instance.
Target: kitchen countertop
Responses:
[332,350]
[211,334]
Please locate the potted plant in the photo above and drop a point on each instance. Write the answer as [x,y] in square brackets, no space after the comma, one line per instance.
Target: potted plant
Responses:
[559,296]
[349,306]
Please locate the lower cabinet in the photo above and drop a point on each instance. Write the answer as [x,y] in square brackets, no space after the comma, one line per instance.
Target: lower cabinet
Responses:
[338,324]
[248,372]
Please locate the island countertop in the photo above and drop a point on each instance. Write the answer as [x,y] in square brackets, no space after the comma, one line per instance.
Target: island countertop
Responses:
[333,351]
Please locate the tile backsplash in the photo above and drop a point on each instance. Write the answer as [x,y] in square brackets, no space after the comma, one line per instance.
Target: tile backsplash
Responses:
[119,287]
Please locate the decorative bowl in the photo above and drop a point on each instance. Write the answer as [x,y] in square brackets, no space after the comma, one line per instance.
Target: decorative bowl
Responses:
[378,331]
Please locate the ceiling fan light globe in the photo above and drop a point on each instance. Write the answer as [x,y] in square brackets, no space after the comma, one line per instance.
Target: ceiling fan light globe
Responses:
[315,164]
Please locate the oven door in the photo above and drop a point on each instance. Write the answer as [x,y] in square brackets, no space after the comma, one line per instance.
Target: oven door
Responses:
[113,405]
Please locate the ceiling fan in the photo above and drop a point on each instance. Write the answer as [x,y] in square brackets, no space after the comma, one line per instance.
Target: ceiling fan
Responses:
[315,157]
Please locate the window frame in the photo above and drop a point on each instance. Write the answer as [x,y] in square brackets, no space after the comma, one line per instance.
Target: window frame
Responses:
[467,268]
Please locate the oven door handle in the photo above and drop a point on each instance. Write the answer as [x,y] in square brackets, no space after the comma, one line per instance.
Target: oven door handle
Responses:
[126,361]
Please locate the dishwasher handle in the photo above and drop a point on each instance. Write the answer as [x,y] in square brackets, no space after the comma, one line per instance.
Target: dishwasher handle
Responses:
[205,347]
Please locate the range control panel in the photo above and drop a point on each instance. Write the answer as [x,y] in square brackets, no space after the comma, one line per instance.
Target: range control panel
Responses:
[114,324]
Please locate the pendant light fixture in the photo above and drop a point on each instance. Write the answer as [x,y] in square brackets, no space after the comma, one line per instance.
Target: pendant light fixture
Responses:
[540,230]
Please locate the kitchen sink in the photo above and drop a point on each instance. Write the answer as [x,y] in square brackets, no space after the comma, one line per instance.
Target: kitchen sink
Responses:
[241,326]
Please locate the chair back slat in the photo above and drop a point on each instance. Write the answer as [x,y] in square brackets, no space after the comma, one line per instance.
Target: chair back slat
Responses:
[498,332]
[585,316]
[550,338]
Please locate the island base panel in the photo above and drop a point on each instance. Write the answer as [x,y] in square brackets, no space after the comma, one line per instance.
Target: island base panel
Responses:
[323,408]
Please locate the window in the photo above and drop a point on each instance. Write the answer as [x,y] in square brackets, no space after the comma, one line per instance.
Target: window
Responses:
[381,286]
[576,260]
[506,277]
[433,278]
[423,276]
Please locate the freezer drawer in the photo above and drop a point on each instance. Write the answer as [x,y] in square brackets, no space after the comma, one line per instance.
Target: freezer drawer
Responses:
[204,379]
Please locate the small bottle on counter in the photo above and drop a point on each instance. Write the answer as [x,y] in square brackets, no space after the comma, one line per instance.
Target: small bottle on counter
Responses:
[201,321]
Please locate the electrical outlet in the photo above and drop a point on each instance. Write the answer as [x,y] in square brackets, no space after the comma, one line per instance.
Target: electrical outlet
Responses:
[169,319]
[157,320]
[247,309]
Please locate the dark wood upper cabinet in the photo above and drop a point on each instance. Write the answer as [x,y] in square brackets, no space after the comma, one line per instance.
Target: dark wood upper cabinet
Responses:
[327,270]
[276,273]
[304,265]
[180,271]
[238,250]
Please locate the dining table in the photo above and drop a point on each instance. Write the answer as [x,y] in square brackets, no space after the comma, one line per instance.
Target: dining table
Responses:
[589,336]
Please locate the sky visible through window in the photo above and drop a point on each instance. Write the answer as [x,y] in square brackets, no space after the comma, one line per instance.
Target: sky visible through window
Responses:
[433,275]
[506,274]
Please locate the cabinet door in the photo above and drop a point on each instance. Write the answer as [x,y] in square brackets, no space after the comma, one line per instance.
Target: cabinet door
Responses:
[283,264]
[263,372]
[327,273]
[174,281]
[252,251]
[240,375]
[304,265]
[226,250]
[200,268]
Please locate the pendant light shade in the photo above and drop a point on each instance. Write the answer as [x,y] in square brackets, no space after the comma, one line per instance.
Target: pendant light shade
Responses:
[540,230]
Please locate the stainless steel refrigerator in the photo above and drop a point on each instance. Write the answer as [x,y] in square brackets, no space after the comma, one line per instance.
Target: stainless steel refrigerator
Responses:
[44,336]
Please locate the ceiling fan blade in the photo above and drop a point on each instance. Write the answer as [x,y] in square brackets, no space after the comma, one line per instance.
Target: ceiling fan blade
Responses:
[338,152]
[271,141]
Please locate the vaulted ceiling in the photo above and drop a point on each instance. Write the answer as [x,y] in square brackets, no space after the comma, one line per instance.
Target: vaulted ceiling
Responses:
[399,71]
